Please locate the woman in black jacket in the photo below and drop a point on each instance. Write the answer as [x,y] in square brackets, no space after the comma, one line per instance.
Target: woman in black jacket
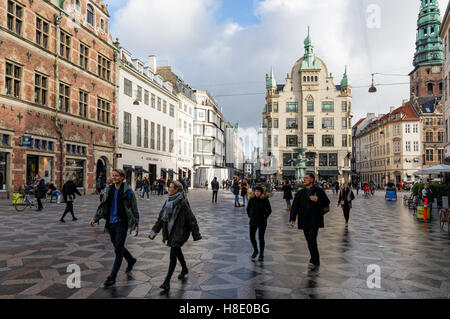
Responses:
[346,197]
[177,223]
[69,191]
[258,210]
[287,196]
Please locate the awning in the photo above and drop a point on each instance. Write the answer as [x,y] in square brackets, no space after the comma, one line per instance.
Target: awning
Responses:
[328,172]
[171,171]
[128,168]
[141,170]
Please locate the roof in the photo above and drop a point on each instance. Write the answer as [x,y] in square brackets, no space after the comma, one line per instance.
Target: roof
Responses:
[357,123]
[427,104]
[280,87]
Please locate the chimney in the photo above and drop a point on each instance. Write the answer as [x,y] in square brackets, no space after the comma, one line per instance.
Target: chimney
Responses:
[405,101]
[152,62]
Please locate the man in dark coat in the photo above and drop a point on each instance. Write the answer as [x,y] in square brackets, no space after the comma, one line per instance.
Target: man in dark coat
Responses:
[69,191]
[309,204]
[215,188]
[40,191]
[258,210]
[287,194]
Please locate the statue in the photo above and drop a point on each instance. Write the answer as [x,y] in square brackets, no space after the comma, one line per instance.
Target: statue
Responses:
[300,167]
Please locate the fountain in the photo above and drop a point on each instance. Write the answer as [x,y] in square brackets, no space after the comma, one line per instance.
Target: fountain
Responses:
[300,167]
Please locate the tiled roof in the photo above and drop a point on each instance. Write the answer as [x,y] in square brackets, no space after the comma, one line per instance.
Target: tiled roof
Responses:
[357,123]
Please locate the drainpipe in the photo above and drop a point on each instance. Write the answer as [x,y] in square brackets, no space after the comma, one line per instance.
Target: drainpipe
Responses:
[57,124]
[116,99]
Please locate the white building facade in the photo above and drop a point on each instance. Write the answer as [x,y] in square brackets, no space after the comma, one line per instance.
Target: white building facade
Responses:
[445,35]
[234,150]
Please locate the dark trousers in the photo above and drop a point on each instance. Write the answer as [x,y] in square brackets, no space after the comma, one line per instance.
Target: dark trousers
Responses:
[261,232]
[118,234]
[346,210]
[214,196]
[175,253]
[69,209]
[39,202]
[311,238]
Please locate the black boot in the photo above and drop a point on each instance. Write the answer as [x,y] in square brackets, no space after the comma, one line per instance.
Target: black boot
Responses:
[183,273]
[165,286]
[255,253]
[109,282]
[130,265]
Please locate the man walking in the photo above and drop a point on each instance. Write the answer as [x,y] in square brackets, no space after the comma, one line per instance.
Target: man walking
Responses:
[215,188]
[69,191]
[119,209]
[310,204]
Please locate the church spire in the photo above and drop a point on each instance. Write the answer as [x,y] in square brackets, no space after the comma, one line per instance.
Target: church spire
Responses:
[345,81]
[270,81]
[309,61]
[429,46]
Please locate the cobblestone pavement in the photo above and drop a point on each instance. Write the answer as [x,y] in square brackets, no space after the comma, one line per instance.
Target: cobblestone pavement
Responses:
[35,250]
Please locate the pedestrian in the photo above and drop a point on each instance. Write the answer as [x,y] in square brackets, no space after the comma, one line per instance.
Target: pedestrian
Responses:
[244,192]
[346,197]
[215,188]
[40,189]
[138,186]
[161,183]
[236,188]
[206,185]
[287,194]
[146,188]
[336,187]
[177,223]
[119,209]
[258,210]
[99,184]
[357,189]
[69,191]
[426,193]
[310,204]
[53,192]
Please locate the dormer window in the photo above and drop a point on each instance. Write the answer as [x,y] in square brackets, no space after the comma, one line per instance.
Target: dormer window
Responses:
[90,15]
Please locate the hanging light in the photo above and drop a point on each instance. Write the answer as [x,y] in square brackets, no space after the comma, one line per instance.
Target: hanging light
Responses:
[372,89]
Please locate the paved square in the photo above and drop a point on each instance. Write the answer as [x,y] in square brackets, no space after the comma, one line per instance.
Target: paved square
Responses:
[35,250]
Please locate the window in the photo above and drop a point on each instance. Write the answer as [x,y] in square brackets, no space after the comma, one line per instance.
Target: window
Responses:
[327,140]
[204,146]
[190,129]
[40,89]
[441,155]
[344,123]
[14,17]
[292,107]
[397,130]
[310,122]
[287,159]
[415,128]
[396,147]
[127,128]
[310,140]
[275,123]
[139,132]
[327,106]
[152,135]
[408,146]
[198,130]
[13,79]
[439,122]
[428,122]
[323,159]
[332,159]
[275,141]
[269,123]
[153,100]
[171,142]
[64,45]
[429,136]
[84,56]
[310,106]
[104,69]
[440,137]
[269,108]
[90,15]
[139,94]
[102,24]
[430,87]
[165,107]
[103,110]
[291,140]
[82,103]
[344,141]
[269,141]
[344,107]
[407,128]
[159,104]
[416,146]
[172,110]
[328,123]
[146,133]
[291,123]
[429,155]
[42,32]
[127,87]
[158,137]
[146,97]
[275,107]
[64,97]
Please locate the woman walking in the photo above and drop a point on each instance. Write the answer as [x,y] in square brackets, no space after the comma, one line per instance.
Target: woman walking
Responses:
[258,210]
[346,197]
[236,188]
[146,188]
[244,192]
[177,222]
[69,191]
[287,190]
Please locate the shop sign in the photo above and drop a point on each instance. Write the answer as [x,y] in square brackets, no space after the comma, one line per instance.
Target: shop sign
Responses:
[26,141]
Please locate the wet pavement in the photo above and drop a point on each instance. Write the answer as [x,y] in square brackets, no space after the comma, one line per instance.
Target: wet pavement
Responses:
[414,257]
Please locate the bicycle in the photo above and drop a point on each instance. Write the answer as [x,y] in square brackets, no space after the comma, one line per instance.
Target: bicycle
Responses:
[25,200]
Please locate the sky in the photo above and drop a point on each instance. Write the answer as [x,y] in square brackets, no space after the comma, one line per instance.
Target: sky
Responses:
[227,46]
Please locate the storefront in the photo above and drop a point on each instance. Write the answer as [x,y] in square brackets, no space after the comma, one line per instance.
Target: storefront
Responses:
[41,165]
[75,169]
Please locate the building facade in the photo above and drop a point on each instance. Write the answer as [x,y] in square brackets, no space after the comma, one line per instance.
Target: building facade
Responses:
[445,35]
[388,147]
[147,121]
[427,84]
[234,149]
[209,140]
[184,146]
[57,96]
[310,111]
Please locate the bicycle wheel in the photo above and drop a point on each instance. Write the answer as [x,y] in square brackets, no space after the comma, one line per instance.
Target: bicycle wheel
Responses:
[21,203]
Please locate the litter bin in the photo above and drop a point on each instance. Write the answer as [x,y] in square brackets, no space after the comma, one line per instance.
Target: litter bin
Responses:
[424,212]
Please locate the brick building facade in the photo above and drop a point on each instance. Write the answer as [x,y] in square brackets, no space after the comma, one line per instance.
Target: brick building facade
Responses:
[55,53]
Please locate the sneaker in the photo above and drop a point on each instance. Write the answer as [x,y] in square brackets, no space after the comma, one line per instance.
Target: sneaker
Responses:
[183,273]
[130,265]
[255,253]
[109,282]
[62,220]
[165,286]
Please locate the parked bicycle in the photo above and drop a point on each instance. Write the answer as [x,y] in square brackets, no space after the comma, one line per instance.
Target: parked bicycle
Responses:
[26,199]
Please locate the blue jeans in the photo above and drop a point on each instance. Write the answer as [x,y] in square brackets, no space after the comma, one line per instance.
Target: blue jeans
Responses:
[118,234]
[243,199]
[146,191]
[236,199]
[288,201]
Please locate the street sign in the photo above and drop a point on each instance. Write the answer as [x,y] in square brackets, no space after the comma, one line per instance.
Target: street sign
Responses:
[26,141]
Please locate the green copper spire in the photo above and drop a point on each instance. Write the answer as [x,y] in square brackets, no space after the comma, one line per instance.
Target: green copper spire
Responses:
[309,61]
[429,46]
[345,81]
[270,82]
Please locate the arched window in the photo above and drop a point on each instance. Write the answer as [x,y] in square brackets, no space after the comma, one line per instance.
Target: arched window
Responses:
[304,78]
[316,79]
[430,88]
[309,79]
[90,15]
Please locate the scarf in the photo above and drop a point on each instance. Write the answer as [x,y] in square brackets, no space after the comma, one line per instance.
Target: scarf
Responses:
[169,206]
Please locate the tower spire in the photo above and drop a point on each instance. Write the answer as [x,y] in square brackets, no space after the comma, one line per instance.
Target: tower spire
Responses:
[271,82]
[309,62]
[345,81]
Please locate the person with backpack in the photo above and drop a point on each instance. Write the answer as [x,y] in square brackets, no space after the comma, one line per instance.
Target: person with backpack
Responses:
[258,210]
[69,191]
[119,209]
[310,204]
[177,223]
[215,188]
[346,197]
[235,189]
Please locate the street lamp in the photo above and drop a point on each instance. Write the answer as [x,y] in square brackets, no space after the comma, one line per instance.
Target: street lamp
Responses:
[372,88]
